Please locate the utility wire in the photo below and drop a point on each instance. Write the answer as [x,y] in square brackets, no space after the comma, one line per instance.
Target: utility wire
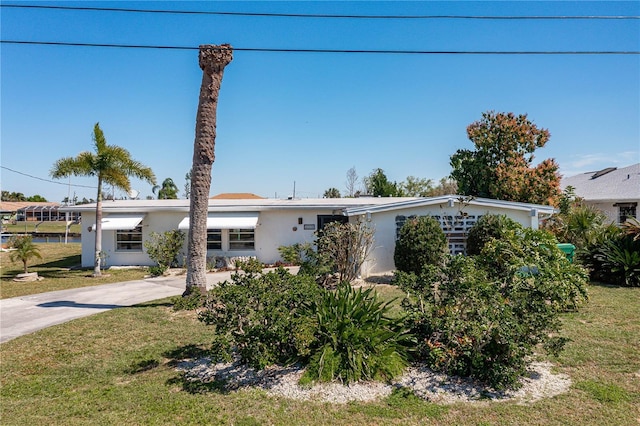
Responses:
[351,51]
[314,15]
[47,180]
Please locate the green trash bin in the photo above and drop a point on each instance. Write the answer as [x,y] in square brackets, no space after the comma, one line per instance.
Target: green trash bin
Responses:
[568,249]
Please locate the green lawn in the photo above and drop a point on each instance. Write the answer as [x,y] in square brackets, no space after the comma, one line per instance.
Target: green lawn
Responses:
[55,267]
[43,227]
[118,368]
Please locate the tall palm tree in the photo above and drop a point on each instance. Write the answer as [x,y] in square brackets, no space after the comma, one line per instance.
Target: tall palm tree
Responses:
[167,191]
[212,60]
[112,165]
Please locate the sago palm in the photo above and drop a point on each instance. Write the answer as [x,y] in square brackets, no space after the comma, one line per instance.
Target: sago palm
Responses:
[112,165]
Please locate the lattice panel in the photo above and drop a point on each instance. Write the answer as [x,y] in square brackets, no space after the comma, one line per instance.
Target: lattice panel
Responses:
[455,228]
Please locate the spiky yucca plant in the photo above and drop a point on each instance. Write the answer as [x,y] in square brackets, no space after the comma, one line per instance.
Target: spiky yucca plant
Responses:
[356,339]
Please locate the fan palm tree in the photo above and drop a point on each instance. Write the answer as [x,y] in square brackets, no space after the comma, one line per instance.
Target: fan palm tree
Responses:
[112,165]
[167,191]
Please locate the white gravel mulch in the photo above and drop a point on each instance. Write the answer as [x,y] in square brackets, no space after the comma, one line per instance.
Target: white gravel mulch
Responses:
[425,383]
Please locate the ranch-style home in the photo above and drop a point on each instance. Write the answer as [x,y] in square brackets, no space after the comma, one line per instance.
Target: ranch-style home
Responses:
[257,227]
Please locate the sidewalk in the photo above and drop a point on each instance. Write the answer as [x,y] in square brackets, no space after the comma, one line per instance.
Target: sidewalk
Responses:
[26,314]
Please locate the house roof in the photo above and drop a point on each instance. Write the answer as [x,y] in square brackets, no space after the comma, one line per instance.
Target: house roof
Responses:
[14,206]
[455,200]
[610,184]
[238,205]
[350,206]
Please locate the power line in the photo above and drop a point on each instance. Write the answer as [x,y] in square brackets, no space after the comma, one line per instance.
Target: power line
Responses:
[47,180]
[315,15]
[349,51]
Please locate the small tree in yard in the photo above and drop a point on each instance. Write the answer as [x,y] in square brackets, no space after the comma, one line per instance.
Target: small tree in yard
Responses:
[341,250]
[163,249]
[346,246]
[24,250]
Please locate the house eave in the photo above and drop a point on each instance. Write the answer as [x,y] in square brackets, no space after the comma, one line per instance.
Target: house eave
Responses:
[450,201]
[337,205]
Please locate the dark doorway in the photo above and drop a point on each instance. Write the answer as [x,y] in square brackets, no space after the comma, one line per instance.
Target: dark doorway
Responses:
[324,219]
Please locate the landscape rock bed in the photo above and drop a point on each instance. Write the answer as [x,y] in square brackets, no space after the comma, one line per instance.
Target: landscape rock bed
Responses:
[425,383]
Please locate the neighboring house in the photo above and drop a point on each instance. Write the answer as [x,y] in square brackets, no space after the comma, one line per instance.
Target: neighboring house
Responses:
[257,227]
[30,210]
[616,192]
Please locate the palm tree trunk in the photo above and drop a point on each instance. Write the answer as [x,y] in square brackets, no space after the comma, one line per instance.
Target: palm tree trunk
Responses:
[98,246]
[212,61]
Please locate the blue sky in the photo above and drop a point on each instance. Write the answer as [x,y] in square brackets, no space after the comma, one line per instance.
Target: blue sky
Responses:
[309,117]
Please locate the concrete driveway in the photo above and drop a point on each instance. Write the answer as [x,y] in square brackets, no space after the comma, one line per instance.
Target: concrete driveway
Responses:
[26,314]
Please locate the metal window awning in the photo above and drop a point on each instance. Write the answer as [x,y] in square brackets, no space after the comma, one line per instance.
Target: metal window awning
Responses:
[226,221]
[122,222]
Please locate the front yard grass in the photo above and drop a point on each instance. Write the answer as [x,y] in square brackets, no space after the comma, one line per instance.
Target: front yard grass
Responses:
[118,368]
[55,267]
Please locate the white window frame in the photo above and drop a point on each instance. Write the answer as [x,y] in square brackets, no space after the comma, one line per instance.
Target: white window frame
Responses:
[239,232]
[130,234]
[211,241]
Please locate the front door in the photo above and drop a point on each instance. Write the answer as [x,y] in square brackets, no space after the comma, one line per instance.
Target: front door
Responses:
[324,219]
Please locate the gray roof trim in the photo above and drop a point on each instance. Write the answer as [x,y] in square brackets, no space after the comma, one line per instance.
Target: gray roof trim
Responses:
[445,199]
[242,205]
[346,206]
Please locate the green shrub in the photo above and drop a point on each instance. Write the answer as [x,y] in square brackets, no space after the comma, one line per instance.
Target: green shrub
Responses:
[581,225]
[619,260]
[252,265]
[356,339]
[164,249]
[486,228]
[590,255]
[421,242]
[190,302]
[264,317]
[312,263]
[341,249]
[533,256]
[483,316]
[157,271]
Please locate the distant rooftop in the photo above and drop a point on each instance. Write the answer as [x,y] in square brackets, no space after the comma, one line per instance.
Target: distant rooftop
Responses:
[14,206]
[612,183]
[236,196]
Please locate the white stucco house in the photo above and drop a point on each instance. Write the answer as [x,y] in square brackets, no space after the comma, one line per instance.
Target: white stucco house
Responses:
[257,227]
[614,191]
